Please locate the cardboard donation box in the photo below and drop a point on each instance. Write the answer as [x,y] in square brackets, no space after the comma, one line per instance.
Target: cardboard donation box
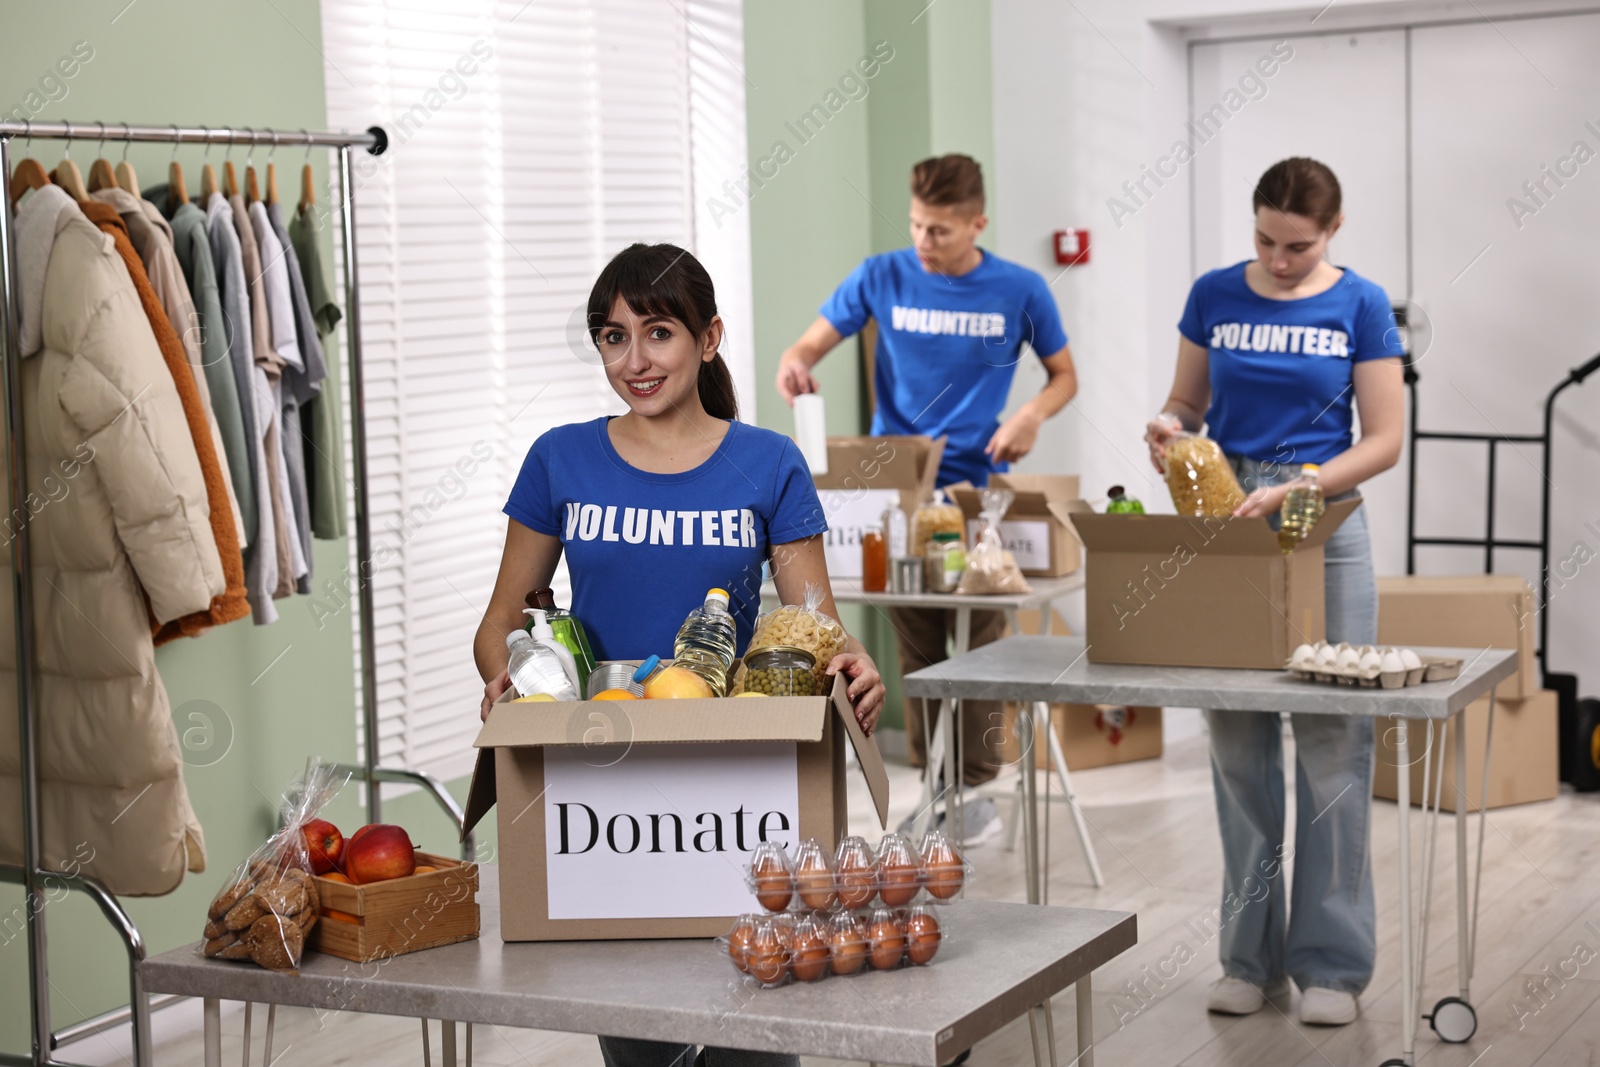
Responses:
[867,476]
[1168,590]
[636,819]
[1472,611]
[1045,547]
[1522,764]
[1091,735]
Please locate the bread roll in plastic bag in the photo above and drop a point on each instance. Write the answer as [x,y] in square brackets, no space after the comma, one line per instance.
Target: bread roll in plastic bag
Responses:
[991,569]
[267,907]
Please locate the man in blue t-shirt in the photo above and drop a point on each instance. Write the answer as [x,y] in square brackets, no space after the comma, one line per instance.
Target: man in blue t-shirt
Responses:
[952,322]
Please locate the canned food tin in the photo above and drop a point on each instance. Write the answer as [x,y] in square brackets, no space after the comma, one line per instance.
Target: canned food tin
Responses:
[908,575]
[781,671]
[613,676]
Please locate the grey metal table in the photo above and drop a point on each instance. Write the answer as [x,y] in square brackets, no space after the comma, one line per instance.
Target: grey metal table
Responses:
[1056,670]
[1044,593]
[999,960]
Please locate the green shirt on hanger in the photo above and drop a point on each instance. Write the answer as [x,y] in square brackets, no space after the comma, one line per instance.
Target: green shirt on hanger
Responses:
[320,415]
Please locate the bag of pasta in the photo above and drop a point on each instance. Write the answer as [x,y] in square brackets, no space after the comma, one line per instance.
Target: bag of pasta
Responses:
[991,569]
[936,516]
[267,907]
[799,626]
[1200,478]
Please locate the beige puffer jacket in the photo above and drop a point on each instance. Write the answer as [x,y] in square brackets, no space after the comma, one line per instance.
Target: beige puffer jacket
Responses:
[117,503]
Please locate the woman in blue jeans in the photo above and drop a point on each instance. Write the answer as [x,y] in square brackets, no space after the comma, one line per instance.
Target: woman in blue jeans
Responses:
[1277,356]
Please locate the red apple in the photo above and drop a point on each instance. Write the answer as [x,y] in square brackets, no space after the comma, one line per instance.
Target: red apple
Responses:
[379,852]
[324,845]
[361,831]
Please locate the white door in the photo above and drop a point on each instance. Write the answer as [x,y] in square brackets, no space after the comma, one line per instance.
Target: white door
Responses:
[1509,274]
[1338,99]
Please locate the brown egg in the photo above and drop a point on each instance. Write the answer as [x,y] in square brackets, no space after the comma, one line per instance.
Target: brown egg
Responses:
[739,940]
[816,889]
[857,887]
[767,959]
[774,885]
[849,949]
[810,952]
[922,936]
[886,939]
[897,882]
[945,879]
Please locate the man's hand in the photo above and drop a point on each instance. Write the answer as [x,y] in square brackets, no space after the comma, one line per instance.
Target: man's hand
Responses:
[794,378]
[1015,438]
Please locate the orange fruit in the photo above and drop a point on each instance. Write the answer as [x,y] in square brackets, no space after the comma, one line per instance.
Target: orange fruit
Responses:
[614,694]
[424,870]
[341,916]
[335,876]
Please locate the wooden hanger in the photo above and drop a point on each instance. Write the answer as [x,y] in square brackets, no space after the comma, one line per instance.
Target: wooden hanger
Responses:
[208,176]
[308,185]
[101,176]
[230,180]
[126,178]
[252,191]
[67,175]
[177,192]
[27,174]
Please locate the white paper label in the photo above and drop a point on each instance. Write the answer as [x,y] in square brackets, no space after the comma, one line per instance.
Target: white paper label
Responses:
[666,831]
[850,513]
[1027,539]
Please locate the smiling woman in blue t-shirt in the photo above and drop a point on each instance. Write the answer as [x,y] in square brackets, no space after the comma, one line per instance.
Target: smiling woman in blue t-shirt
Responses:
[1277,355]
[655,507]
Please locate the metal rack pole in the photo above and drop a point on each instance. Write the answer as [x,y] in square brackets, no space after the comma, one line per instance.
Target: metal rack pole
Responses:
[32,873]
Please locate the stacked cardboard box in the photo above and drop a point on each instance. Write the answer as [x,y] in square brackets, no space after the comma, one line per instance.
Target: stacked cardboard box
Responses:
[1044,546]
[867,476]
[1475,612]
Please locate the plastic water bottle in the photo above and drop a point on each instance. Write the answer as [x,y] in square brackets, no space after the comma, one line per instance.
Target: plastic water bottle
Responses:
[1301,509]
[706,641]
[537,667]
[568,629]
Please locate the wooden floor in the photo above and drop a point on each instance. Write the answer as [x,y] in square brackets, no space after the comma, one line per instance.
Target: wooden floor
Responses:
[1155,829]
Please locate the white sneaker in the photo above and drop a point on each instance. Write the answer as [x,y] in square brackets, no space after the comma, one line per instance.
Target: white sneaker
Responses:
[980,823]
[1235,996]
[1320,1006]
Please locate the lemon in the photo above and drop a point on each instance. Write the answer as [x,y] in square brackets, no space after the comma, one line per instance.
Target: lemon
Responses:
[542,697]
[750,694]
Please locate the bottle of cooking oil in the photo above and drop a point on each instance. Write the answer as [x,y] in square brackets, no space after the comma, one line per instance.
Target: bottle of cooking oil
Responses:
[706,643]
[1301,509]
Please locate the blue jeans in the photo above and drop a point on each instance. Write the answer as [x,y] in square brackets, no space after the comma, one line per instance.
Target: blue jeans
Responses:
[636,1052]
[1326,936]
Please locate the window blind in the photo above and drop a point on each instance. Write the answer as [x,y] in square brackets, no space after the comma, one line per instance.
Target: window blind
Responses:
[530,141]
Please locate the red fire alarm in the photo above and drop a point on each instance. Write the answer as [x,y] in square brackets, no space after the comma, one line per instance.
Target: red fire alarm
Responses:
[1072,247]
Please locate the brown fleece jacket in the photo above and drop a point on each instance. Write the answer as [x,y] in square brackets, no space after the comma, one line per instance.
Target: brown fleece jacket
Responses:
[231,603]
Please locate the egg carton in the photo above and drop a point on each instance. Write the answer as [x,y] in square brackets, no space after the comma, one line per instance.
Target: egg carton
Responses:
[1313,663]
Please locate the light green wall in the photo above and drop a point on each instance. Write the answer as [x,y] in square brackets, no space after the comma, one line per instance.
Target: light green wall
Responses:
[219,63]
[841,197]
[844,198]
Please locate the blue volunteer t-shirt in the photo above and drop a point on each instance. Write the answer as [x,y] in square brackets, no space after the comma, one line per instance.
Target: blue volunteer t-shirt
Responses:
[1281,369]
[643,548]
[948,347]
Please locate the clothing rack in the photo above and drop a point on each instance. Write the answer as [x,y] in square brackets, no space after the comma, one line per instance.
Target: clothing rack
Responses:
[32,875]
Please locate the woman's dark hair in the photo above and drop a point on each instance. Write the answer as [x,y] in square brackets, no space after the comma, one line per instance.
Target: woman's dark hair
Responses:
[1299,186]
[666,280]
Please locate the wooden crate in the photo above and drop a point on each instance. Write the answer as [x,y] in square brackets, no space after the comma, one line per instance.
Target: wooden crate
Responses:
[401,914]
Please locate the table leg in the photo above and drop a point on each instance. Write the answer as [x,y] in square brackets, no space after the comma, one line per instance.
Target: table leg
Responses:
[1033,1032]
[1085,1023]
[247,1007]
[954,757]
[427,1056]
[211,1008]
[1408,989]
[1030,809]
[1050,1030]
[272,1021]
[933,751]
[1059,759]
[1483,822]
[469,1044]
[1462,963]
[447,1042]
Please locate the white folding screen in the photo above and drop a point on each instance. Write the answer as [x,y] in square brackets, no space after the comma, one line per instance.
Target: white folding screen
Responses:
[529,142]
